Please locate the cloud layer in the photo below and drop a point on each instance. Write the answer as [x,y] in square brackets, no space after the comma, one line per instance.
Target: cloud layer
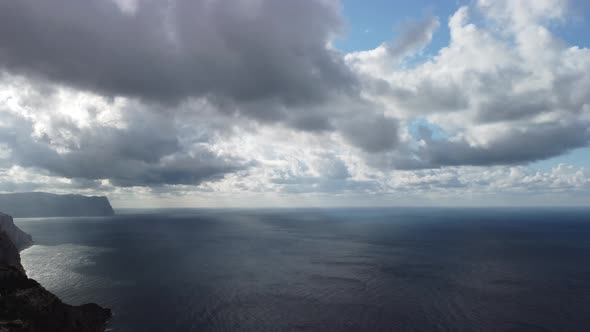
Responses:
[177,97]
[170,50]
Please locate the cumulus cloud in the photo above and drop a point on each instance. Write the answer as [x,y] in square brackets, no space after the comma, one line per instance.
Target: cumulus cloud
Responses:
[505,90]
[264,60]
[142,148]
[524,14]
[169,50]
[413,38]
[178,96]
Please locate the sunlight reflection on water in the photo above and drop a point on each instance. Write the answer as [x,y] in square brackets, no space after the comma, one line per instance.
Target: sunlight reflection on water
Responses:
[59,269]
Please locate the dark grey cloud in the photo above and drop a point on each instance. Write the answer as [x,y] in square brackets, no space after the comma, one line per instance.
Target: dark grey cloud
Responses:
[264,60]
[516,146]
[510,108]
[147,152]
[499,102]
[169,50]
[372,133]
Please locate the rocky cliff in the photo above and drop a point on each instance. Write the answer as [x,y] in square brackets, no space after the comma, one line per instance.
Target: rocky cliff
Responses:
[38,204]
[19,238]
[25,306]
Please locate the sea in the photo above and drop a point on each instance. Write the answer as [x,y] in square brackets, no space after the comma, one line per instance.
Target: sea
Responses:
[397,269]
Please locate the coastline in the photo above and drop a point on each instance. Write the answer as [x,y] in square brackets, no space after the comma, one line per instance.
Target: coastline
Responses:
[25,305]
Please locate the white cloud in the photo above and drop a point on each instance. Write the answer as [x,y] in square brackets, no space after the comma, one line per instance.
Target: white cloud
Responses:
[501,84]
[127,6]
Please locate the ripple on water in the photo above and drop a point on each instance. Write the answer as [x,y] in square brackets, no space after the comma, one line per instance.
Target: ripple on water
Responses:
[59,269]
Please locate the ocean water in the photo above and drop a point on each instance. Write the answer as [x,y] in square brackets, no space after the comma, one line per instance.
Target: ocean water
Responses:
[322,270]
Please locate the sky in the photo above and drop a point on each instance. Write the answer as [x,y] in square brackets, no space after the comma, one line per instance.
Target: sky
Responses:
[316,103]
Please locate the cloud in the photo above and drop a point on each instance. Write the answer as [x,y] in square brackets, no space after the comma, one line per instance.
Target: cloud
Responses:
[325,173]
[504,91]
[507,146]
[524,14]
[143,148]
[170,50]
[371,133]
[263,60]
[187,97]
[413,38]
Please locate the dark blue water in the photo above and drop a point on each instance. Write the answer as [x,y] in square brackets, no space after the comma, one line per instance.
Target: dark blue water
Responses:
[323,270]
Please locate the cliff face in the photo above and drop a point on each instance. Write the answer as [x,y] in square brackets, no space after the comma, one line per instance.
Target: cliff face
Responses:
[38,204]
[9,256]
[12,240]
[28,307]
[20,239]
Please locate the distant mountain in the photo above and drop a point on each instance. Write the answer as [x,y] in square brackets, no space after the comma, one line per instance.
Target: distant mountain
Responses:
[39,204]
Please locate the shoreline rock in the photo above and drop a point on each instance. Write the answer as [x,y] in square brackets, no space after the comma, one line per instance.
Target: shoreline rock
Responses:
[25,306]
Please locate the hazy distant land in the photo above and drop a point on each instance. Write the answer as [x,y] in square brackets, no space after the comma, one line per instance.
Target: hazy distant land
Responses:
[39,204]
